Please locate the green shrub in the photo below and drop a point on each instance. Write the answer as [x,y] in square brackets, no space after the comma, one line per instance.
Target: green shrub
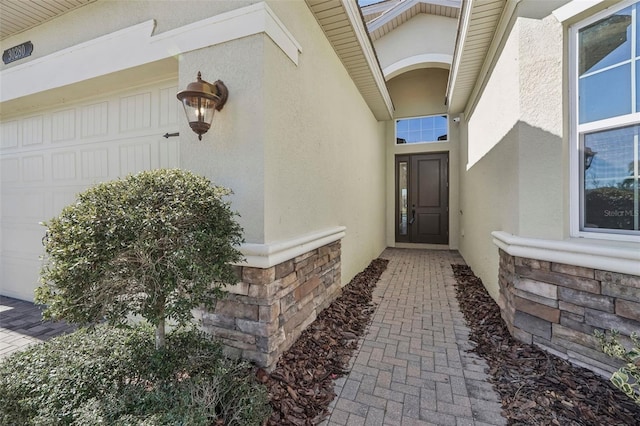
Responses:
[115,376]
[627,378]
[157,244]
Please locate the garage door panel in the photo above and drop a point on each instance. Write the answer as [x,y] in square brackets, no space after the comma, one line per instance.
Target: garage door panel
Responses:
[134,158]
[135,112]
[95,120]
[169,109]
[33,130]
[10,170]
[33,168]
[22,206]
[33,205]
[19,277]
[24,241]
[169,154]
[49,157]
[63,125]
[95,164]
[63,166]
[9,133]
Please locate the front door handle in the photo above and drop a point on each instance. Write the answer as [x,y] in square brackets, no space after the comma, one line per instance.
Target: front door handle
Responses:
[413,216]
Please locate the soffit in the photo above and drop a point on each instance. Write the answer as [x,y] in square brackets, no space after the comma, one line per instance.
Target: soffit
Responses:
[20,15]
[374,10]
[476,32]
[381,21]
[342,23]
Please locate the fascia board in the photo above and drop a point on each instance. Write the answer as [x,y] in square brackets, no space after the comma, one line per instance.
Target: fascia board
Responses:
[353,13]
[402,7]
[574,8]
[136,45]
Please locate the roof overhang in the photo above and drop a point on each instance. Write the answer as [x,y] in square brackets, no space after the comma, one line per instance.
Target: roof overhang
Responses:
[20,15]
[398,12]
[482,24]
[343,25]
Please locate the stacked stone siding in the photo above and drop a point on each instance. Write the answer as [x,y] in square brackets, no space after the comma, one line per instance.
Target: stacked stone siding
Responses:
[558,307]
[268,309]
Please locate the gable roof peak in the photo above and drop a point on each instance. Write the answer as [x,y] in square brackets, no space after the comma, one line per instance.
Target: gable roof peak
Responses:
[382,20]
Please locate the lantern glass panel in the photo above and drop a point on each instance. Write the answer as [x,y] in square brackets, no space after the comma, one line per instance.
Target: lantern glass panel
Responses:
[198,109]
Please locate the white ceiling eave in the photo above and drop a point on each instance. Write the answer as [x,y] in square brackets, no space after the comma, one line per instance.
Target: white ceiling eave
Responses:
[405,10]
[20,15]
[343,26]
[481,26]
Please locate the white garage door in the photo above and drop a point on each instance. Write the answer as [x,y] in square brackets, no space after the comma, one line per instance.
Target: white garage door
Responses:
[47,157]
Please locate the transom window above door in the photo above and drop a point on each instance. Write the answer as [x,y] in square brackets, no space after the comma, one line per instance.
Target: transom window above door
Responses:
[426,129]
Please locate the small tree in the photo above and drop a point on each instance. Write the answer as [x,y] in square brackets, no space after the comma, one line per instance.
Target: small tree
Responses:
[157,244]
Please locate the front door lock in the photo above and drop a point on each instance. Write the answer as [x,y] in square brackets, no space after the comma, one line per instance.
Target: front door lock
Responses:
[413,215]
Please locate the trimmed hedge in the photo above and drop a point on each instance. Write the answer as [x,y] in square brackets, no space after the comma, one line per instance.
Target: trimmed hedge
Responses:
[115,376]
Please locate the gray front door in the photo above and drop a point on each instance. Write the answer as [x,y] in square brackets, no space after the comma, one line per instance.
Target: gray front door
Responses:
[422,198]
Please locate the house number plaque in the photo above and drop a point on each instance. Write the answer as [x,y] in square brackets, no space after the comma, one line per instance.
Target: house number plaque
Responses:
[18,52]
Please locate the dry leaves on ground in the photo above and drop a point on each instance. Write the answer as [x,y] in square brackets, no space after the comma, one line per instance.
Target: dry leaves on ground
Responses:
[537,388]
[301,385]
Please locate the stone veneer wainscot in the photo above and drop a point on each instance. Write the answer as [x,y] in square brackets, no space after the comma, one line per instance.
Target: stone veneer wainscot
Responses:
[269,308]
[558,306]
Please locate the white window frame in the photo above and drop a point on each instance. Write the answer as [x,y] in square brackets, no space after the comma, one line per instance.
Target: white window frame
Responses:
[395,130]
[577,130]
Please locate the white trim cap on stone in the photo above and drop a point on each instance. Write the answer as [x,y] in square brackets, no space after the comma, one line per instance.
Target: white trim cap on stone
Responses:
[610,256]
[271,254]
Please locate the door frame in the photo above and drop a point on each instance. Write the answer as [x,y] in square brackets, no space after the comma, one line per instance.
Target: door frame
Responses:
[399,158]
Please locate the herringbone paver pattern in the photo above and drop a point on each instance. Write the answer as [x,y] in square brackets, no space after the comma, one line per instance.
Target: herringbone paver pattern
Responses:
[21,325]
[412,367]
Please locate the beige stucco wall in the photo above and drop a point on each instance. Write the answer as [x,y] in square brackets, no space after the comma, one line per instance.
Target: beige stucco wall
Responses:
[232,152]
[296,143]
[513,176]
[417,93]
[422,34]
[324,149]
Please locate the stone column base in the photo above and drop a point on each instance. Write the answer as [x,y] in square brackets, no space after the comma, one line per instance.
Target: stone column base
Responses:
[269,308]
[557,307]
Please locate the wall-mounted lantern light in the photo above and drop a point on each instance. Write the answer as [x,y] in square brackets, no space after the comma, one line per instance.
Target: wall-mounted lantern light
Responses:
[200,100]
[588,157]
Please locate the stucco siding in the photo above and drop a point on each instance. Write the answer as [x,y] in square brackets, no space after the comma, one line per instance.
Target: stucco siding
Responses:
[488,201]
[232,152]
[515,179]
[419,92]
[541,159]
[295,141]
[324,149]
[489,197]
[422,34]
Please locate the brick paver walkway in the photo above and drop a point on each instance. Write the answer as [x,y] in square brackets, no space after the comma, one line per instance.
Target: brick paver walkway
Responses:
[21,325]
[413,367]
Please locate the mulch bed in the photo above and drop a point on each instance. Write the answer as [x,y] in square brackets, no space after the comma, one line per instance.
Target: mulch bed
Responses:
[536,388]
[301,385]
